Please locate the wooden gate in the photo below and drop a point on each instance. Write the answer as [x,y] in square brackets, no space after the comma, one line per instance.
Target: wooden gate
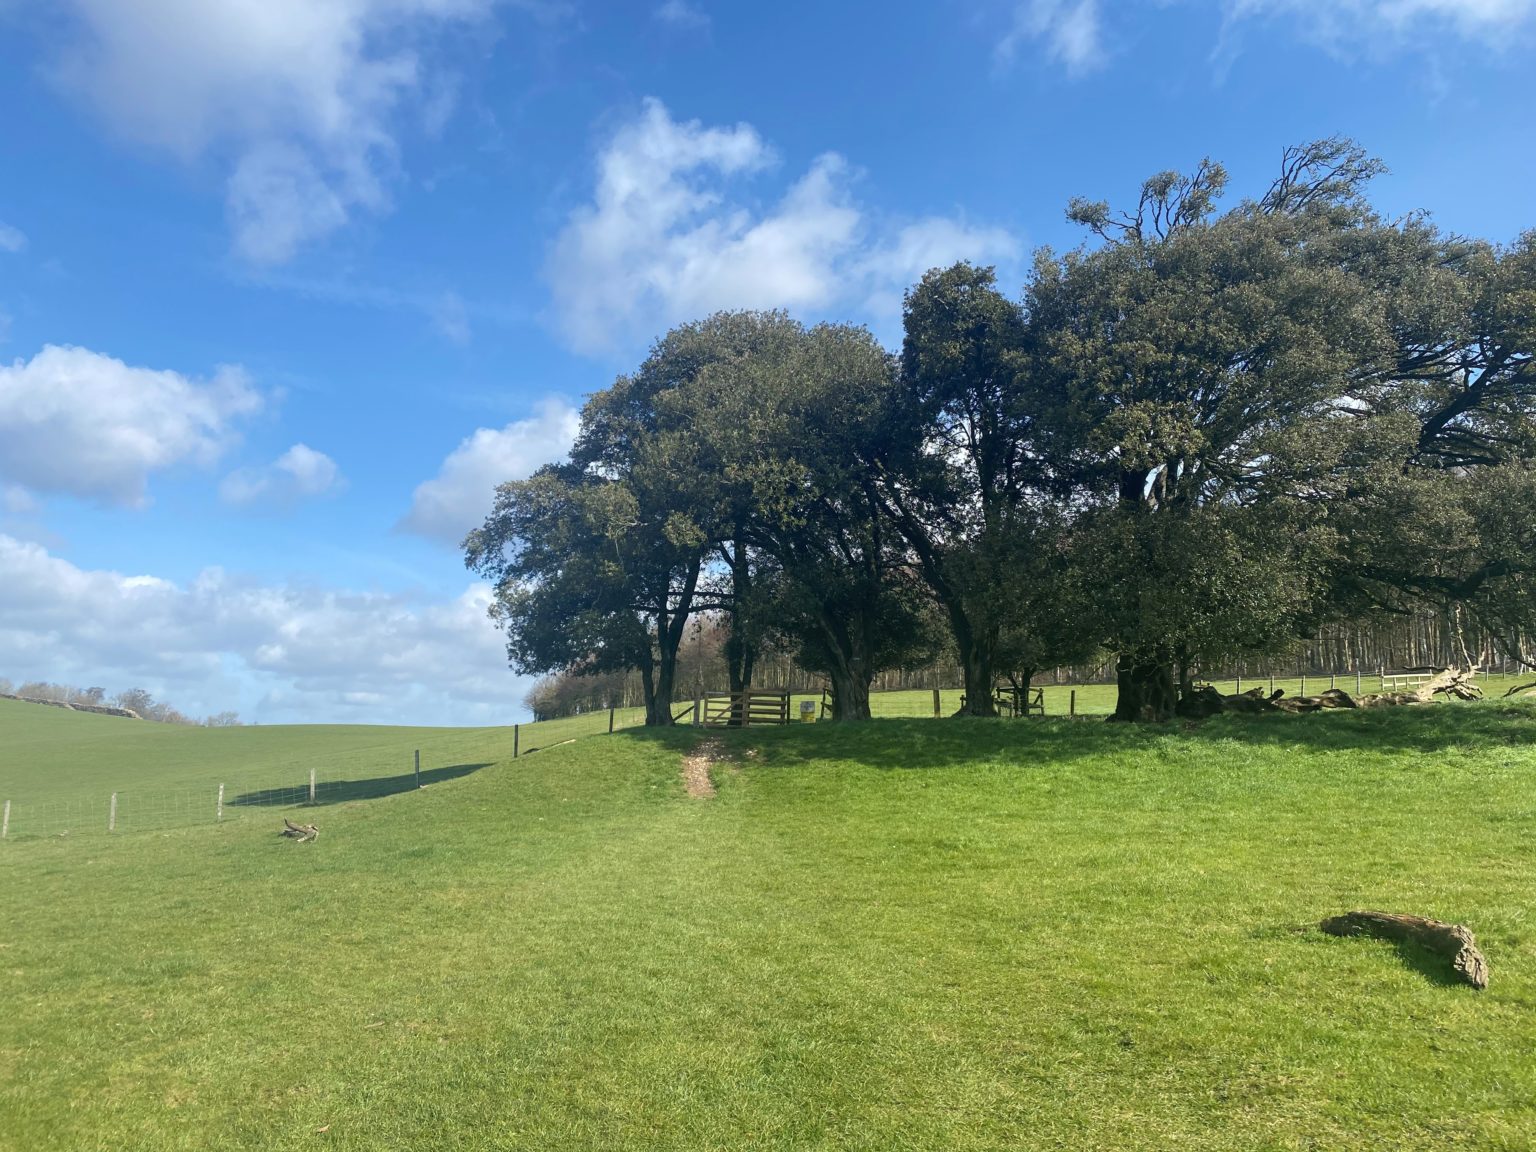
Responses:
[745,709]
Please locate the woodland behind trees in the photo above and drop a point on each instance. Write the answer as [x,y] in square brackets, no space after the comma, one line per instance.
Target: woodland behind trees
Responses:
[1205,436]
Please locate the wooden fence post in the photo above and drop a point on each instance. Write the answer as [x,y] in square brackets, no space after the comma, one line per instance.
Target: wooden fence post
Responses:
[1072,704]
[418,767]
[698,711]
[1239,690]
[514,741]
[937,707]
[610,721]
[112,814]
[1357,681]
[5,821]
[311,785]
[1271,683]
[218,813]
[1303,691]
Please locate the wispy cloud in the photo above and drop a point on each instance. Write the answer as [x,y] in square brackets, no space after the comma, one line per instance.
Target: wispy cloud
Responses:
[681,14]
[304,98]
[298,474]
[11,239]
[1069,31]
[1376,27]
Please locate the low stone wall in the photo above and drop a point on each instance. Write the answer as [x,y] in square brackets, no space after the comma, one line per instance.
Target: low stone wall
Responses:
[99,709]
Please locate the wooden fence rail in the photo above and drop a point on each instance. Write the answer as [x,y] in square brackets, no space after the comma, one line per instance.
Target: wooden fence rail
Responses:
[745,709]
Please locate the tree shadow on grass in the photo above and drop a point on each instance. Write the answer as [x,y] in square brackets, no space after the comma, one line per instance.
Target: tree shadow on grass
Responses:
[340,791]
[1433,966]
[908,744]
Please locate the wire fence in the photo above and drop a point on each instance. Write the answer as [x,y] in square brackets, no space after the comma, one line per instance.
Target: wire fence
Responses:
[362,774]
[150,809]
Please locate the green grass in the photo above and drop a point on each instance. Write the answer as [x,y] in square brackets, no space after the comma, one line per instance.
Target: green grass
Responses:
[901,935]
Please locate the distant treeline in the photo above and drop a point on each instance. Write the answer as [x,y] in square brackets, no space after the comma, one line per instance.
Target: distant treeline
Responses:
[135,700]
[1423,640]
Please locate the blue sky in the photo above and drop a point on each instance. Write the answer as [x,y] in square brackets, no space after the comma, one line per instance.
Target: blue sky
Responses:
[286,286]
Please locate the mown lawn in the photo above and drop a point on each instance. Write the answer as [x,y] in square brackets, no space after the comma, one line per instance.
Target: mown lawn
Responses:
[900,935]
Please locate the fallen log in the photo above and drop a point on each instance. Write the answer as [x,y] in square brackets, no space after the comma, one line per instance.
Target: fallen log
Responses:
[303,833]
[1519,688]
[1455,682]
[1453,941]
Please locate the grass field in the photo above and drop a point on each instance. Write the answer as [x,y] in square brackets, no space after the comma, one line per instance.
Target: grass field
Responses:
[903,935]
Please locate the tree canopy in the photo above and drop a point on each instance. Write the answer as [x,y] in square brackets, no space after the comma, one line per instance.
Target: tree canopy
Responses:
[1203,434]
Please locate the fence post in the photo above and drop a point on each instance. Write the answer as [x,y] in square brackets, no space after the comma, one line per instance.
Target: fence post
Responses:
[698,709]
[418,767]
[610,721]
[937,707]
[1072,704]
[218,814]
[5,821]
[1271,684]
[1357,681]
[1333,681]
[514,741]
[1303,691]
[1239,690]
[112,814]
[311,785]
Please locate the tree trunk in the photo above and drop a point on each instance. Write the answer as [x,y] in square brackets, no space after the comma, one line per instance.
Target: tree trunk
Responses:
[648,688]
[740,644]
[1146,688]
[850,694]
[658,701]
[976,664]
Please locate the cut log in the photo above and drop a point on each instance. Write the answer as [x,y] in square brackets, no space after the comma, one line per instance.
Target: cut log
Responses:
[303,833]
[1453,941]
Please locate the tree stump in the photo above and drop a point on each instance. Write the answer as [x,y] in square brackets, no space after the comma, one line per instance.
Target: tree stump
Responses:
[1453,941]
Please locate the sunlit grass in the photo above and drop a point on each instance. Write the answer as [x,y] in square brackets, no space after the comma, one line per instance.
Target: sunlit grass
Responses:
[907,934]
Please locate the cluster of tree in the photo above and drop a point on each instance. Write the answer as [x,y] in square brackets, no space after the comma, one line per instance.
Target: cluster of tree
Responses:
[1384,643]
[1203,436]
[134,699]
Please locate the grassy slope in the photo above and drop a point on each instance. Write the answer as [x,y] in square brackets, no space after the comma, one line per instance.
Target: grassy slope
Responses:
[903,935]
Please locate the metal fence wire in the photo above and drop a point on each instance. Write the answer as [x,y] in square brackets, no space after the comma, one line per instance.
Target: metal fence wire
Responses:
[357,774]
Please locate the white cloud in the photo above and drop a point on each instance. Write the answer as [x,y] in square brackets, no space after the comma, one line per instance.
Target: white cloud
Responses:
[11,239]
[1380,25]
[460,496]
[664,240]
[297,474]
[681,14]
[301,95]
[1069,30]
[276,653]
[74,421]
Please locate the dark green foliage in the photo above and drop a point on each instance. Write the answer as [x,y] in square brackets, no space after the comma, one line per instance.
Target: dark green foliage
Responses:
[1212,434]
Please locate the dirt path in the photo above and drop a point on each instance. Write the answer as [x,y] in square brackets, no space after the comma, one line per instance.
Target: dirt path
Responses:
[696,768]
